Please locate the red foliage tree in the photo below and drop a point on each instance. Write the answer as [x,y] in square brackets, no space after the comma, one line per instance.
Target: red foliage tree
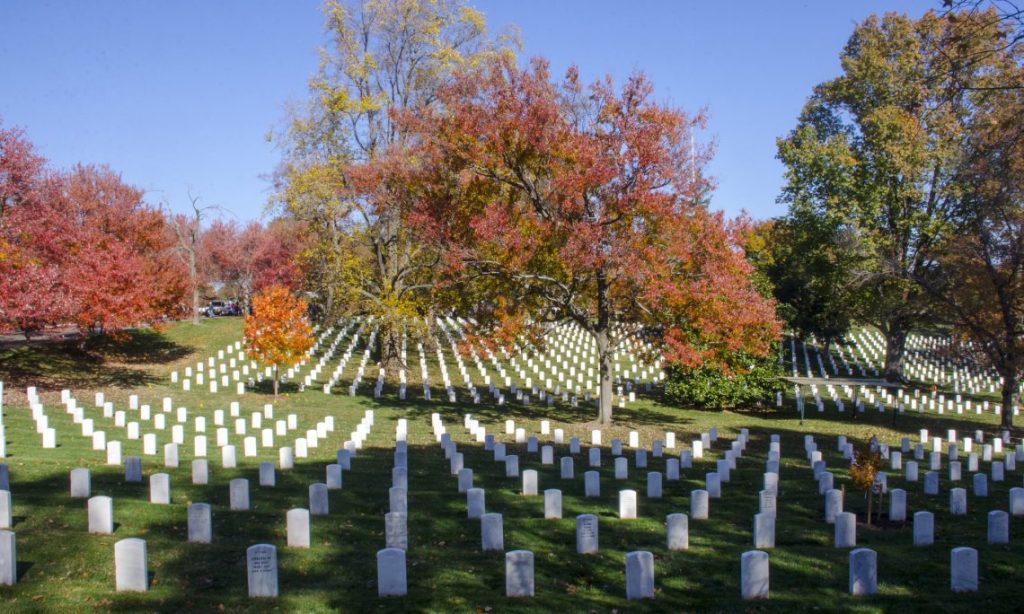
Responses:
[79,247]
[250,258]
[32,293]
[569,203]
[20,169]
[276,261]
[224,257]
[120,269]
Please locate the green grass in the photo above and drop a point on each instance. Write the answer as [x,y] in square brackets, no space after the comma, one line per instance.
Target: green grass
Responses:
[139,363]
[63,568]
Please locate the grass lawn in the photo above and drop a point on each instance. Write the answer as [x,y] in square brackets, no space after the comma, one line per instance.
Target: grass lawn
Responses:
[62,567]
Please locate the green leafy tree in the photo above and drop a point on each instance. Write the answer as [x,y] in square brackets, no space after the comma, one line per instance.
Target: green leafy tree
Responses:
[875,152]
[808,265]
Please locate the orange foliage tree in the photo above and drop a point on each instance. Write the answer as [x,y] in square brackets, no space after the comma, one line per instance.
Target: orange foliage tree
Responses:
[278,331]
[561,202]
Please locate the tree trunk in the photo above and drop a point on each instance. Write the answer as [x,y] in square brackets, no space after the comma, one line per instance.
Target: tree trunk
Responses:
[390,349]
[895,346]
[1010,383]
[195,305]
[871,497]
[195,286]
[329,303]
[604,356]
[604,361]
[275,381]
[394,262]
[331,271]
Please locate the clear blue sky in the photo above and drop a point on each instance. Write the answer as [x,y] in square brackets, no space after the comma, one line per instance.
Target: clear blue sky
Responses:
[178,95]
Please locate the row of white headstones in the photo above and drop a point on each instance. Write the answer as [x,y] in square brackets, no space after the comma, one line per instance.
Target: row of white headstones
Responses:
[140,422]
[860,396]
[243,370]
[639,564]
[131,566]
[131,552]
[555,368]
[925,360]
[49,433]
[912,399]
[520,562]
[924,522]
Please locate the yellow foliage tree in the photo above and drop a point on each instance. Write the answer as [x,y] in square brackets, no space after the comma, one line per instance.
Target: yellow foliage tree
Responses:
[278,331]
[864,472]
[344,164]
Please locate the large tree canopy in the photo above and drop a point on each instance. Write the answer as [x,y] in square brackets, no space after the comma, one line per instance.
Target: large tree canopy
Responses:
[343,170]
[980,291]
[554,202]
[876,152]
[79,247]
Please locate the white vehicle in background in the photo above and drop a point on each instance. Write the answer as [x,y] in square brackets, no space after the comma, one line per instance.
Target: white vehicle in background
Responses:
[216,308]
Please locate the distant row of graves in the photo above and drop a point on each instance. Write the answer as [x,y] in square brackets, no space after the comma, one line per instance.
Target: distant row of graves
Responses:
[564,368]
[945,381]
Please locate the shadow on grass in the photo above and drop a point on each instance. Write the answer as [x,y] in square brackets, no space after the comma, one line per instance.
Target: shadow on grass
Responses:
[446,569]
[141,346]
[98,362]
[23,568]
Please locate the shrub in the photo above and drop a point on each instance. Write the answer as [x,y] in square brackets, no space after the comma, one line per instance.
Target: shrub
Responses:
[751,379]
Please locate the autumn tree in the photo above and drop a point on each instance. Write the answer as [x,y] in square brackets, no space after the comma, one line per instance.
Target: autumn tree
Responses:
[278,332]
[864,469]
[32,295]
[981,289]
[78,247]
[344,154]
[280,255]
[21,169]
[563,203]
[964,17]
[875,152]
[228,257]
[119,268]
[246,259]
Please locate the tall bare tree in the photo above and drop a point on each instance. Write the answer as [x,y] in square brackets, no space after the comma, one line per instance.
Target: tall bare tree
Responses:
[188,229]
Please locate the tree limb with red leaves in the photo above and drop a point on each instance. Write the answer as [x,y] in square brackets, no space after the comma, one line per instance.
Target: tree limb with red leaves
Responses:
[564,202]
